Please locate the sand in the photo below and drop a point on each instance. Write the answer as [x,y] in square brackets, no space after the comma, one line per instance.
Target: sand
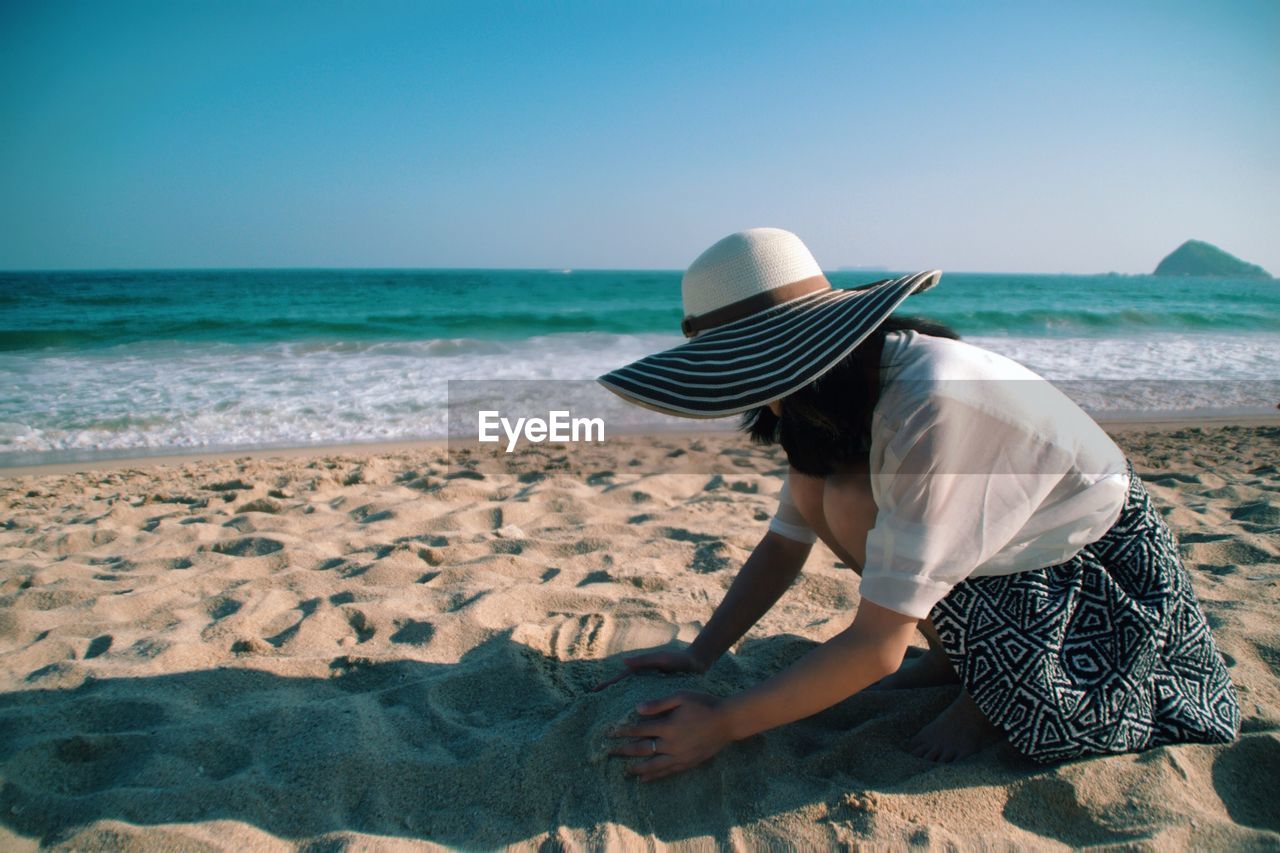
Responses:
[377,648]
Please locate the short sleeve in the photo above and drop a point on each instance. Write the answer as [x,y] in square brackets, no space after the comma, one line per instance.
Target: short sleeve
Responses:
[952,485]
[788,521]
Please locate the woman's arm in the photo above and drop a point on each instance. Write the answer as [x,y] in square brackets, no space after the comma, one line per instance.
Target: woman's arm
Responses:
[686,728]
[764,577]
[868,650]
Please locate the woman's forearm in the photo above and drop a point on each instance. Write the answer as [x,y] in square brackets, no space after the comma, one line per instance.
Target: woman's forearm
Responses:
[835,670]
[764,577]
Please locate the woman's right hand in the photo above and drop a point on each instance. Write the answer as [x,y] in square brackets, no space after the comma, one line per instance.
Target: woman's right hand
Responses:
[667,660]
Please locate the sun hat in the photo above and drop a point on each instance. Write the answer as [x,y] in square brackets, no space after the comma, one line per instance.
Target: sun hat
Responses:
[763,322]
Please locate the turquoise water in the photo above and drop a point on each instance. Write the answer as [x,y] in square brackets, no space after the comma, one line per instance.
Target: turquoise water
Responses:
[82,310]
[125,363]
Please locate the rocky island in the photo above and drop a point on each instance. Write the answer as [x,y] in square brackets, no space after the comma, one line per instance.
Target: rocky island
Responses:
[1196,257]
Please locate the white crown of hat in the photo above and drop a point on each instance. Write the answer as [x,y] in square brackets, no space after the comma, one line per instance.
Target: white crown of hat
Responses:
[744,265]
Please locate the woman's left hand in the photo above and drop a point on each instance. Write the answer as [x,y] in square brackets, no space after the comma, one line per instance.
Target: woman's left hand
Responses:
[693,729]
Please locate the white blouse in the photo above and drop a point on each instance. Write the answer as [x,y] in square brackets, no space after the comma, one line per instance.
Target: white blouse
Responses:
[978,467]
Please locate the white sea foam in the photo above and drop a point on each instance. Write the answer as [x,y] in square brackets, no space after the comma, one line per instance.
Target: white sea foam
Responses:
[157,396]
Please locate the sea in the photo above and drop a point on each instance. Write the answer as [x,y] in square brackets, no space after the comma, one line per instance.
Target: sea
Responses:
[136,363]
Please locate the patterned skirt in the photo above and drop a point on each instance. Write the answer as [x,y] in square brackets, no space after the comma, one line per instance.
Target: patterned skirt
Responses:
[1107,652]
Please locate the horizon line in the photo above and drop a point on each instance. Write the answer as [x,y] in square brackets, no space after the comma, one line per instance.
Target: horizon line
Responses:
[563,270]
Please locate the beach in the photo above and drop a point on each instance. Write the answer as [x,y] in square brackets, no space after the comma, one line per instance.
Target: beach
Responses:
[377,646]
[376,382]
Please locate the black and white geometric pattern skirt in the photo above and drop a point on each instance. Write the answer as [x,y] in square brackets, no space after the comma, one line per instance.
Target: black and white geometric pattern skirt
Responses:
[1107,652]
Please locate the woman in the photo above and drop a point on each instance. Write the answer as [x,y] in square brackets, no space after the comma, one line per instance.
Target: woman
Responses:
[977,503]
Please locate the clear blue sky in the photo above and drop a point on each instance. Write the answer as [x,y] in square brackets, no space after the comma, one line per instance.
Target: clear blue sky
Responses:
[1020,136]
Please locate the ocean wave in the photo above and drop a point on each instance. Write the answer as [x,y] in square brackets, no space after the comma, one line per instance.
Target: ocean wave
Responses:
[70,311]
[152,396]
[504,328]
[12,340]
[382,328]
[1064,323]
[202,359]
[112,299]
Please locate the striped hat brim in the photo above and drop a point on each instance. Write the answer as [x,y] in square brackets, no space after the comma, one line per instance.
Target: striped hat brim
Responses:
[744,364]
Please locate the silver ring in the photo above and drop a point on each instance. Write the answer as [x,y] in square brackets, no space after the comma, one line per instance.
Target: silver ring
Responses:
[653,743]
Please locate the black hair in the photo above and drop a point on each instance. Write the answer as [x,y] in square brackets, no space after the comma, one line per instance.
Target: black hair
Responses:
[825,426]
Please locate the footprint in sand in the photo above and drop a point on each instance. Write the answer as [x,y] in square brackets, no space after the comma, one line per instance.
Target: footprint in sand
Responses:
[367,514]
[414,633]
[430,556]
[680,535]
[709,557]
[98,646]
[228,486]
[221,608]
[1245,776]
[1270,655]
[1199,538]
[1171,479]
[260,505]
[249,546]
[458,601]
[91,763]
[582,546]
[353,570]
[648,583]
[1052,807]
[285,634]
[1260,513]
[506,546]
[362,625]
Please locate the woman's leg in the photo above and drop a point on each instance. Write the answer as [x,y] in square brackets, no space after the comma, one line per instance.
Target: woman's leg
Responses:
[841,510]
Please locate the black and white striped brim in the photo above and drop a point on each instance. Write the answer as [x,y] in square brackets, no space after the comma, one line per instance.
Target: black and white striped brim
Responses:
[763,357]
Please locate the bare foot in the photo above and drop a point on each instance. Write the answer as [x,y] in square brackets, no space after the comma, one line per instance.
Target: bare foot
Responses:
[927,670]
[958,732]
